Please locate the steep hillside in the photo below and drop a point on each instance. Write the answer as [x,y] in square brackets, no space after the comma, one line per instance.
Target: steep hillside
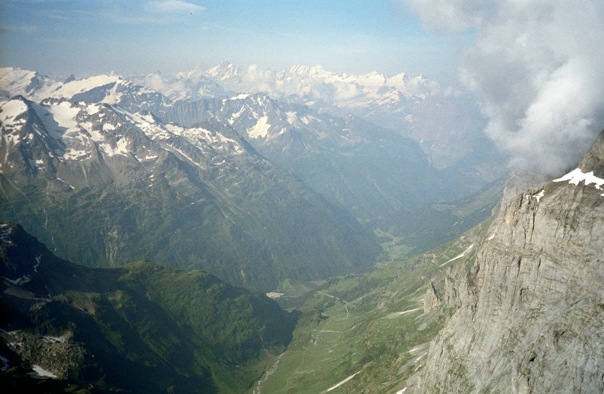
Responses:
[531,316]
[137,328]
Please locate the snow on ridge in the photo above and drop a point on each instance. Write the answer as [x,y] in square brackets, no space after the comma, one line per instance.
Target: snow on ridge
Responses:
[577,176]
[77,86]
[17,81]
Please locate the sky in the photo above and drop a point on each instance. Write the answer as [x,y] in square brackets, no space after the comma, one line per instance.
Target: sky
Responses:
[61,37]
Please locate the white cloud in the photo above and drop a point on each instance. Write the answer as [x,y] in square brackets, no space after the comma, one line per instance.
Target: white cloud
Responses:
[173,7]
[537,68]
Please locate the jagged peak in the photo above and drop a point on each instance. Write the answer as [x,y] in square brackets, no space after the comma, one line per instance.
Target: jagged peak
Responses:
[70,78]
[225,70]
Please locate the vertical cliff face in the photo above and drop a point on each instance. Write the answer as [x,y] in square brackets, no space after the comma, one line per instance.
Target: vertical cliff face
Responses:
[531,318]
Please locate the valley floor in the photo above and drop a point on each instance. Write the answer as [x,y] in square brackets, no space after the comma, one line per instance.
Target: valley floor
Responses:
[365,332]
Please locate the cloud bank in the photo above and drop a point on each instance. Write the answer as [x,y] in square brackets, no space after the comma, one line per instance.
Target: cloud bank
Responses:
[537,68]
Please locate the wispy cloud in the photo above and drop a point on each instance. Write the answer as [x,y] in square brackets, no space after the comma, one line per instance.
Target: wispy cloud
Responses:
[20,28]
[173,7]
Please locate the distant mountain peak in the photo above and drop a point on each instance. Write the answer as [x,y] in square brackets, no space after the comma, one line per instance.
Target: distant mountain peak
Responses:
[225,70]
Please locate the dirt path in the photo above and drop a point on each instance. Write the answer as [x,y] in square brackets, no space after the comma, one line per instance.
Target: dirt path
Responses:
[341,383]
[340,300]
[459,256]
[397,314]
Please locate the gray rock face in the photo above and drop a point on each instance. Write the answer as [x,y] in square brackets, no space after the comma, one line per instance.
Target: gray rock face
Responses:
[531,318]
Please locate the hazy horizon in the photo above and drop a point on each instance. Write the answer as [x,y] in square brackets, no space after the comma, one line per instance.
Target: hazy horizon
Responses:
[60,38]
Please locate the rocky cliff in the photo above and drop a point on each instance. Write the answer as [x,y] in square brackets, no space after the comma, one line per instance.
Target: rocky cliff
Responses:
[531,318]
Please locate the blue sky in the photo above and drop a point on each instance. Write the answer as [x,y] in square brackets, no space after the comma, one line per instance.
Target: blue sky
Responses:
[97,36]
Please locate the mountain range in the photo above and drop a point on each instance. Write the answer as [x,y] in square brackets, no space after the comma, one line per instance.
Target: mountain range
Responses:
[251,188]
[413,106]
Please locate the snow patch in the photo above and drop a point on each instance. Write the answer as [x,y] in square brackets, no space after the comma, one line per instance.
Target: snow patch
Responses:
[236,116]
[240,97]
[11,110]
[38,260]
[150,157]
[260,130]
[73,154]
[62,181]
[120,149]
[539,195]
[18,281]
[5,364]
[93,109]
[292,118]
[65,116]
[51,339]
[95,135]
[39,371]
[577,176]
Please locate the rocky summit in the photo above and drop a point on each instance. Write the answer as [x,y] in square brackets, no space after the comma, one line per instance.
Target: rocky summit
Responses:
[531,315]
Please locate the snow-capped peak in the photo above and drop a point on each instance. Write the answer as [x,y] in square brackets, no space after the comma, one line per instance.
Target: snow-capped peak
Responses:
[16,81]
[224,71]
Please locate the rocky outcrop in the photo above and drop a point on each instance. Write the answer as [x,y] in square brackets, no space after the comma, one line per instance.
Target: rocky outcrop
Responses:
[431,298]
[531,318]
